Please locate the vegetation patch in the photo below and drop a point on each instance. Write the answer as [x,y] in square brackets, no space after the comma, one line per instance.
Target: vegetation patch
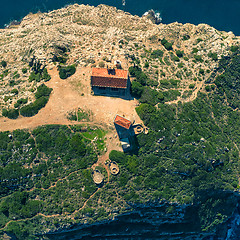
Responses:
[39,75]
[66,71]
[80,115]
[166,44]
[11,113]
[46,171]
[42,95]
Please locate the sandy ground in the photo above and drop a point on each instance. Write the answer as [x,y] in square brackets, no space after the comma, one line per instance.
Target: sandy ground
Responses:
[70,94]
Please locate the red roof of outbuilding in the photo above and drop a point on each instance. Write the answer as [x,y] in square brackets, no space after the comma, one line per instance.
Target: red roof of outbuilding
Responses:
[115,78]
[123,122]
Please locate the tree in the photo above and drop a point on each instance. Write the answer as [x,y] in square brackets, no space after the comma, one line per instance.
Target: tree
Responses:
[4,63]
[77,145]
[179,53]
[65,72]
[136,89]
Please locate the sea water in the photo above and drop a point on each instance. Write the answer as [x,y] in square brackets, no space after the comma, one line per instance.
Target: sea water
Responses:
[221,14]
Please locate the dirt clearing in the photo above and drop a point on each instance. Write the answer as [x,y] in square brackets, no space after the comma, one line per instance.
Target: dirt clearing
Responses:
[70,94]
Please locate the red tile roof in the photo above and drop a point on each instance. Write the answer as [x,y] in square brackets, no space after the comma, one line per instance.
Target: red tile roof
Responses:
[123,122]
[105,72]
[115,78]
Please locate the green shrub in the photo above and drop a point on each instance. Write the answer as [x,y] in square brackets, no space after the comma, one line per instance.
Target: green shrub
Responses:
[146,65]
[214,56]
[33,108]
[208,88]
[195,50]
[186,37]
[171,95]
[179,53]
[42,96]
[140,76]
[43,90]
[234,48]
[101,64]
[118,157]
[11,83]
[40,75]
[191,86]
[24,70]
[176,59]
[11,113]
[65,72]
[201,71]
[16,75]
[136,89]
[151,96]
[166,60]
[77,145]
[60,59]
[163,41]
[3,63]
[35,77]
[20,102]
[14,91]
[198,58]
[180,65]
[156,53]
[45,76]
[166,44]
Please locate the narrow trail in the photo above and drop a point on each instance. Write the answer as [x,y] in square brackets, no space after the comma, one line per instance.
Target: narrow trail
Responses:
[191,98]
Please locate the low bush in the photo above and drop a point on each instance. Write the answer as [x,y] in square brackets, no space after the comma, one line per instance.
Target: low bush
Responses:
[156,53]
[234,48]
[198,58]
[43,90]
[3,63]
[11,113]
[33,108]
[65,72]
[20,102]
[14,91]
[191,86]
[179,53]
[214,56]
[40,75]
[195,50]
[24,70]
[42,96]
[166,44]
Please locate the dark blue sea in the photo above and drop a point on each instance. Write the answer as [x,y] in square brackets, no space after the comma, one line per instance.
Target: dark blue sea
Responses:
[221,14]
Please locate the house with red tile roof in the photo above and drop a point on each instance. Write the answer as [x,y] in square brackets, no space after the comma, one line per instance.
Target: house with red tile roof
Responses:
[112,82]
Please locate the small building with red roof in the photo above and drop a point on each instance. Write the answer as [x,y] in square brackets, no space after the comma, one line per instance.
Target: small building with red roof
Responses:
[113,82]
[122,122]
[125,132]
